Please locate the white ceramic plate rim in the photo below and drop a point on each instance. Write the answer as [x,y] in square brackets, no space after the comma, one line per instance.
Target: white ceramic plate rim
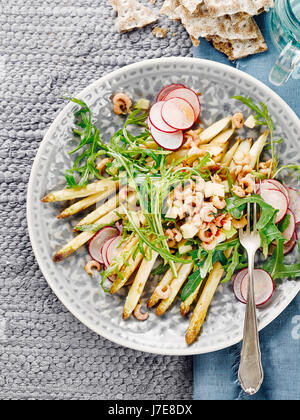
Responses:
[76,313]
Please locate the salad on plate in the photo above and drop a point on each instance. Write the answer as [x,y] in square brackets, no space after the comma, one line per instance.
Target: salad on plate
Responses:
[164,200]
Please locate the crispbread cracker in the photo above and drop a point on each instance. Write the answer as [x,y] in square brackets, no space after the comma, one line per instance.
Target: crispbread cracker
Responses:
[199,24]
[236,49]
[132,14]
[191,5]
[222,7]
[114,4]
[169,9]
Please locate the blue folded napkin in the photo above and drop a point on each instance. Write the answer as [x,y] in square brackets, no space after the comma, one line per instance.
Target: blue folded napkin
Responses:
[215,374]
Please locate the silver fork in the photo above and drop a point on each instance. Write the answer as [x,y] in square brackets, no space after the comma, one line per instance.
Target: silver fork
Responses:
[250,371]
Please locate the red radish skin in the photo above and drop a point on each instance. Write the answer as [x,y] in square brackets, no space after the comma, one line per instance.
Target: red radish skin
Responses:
[190,96]
[113,249]
[168,141]
[98,240]
[290,245]
[166,90]
[276,199]
[178,113]
[104,251]
[294,203]
[263,287]
[237,284]
[289,232]
[156,120]
[279,186]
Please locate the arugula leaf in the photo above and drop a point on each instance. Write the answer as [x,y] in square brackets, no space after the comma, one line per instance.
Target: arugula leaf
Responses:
[235,261]
[161,269]
[193,282]
[276,267]
[204,264]
[236,206]
[284,224]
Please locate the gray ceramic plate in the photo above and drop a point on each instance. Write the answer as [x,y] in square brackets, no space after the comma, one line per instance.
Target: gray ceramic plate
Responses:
[82,295]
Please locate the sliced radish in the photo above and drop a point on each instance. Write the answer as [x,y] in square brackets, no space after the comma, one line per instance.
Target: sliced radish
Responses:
[189,95]
[263,287]
[237,284]
[278,185]
[104,251]
[98,240]
[167,89]
[113,249]
[276,199]
[290,245]
[168,141]
[178,113]
[290,230]
[294,203]
[156,118]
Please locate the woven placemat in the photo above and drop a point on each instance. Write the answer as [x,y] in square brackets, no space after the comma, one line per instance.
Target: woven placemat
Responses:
[50,48]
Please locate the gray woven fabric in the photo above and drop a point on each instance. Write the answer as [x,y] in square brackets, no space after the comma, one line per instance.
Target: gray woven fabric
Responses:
[50,48]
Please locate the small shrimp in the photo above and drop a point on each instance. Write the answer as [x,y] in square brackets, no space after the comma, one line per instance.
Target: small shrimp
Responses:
[90,266]
[200,184]
[218,202]
[205,236]
[238,120]
[216,178]
[163,292]
[245,160]
[139,315]
[265,168]
[237,190]
[122,104]
[220,237]
[101,165]
[206,212]
[209,246]
[240,224]
[248,183]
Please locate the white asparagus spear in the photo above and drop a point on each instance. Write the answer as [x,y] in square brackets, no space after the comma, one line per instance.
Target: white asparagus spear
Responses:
[213,150]
[175,286]
[223,137]
[227,158]
[215,129]
[139,283]
[242,150]
[204,302]
[84,237]
[126,271]
[165,281]
[257,148]
[87,202]
[71,193]
[107,207]
[185,306]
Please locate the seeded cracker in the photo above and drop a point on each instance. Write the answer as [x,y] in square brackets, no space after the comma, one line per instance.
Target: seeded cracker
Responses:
[169,9]
[200,24]
[252,7]
[132,15]
[236,49]
[191,5]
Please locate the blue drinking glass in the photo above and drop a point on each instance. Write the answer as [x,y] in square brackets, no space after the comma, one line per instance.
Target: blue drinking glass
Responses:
[284,24]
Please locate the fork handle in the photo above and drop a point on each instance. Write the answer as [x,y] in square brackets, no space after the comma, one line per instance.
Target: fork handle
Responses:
[250,371]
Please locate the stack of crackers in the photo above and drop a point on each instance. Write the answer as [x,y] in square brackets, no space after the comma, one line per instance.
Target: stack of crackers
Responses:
[228,24]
